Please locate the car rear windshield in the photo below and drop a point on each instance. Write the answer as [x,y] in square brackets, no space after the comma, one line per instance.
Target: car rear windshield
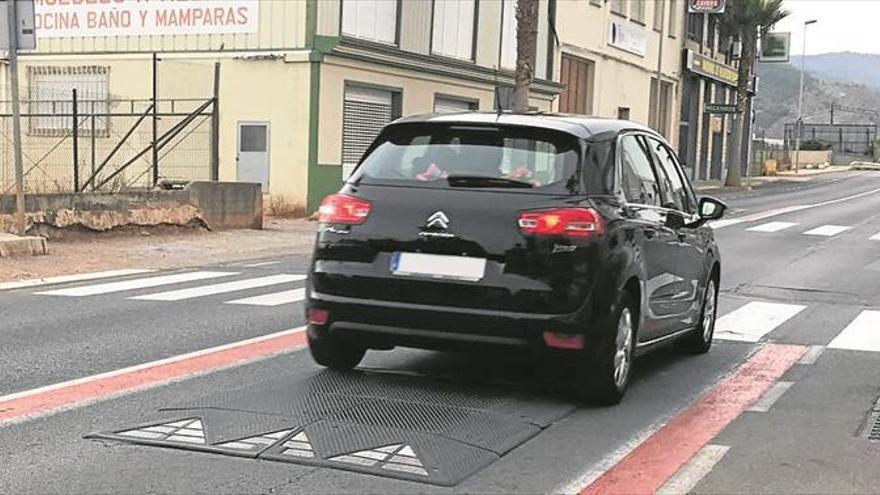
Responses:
[449,156]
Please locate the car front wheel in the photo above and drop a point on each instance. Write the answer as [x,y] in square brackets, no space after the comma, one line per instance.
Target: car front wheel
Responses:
[700,340]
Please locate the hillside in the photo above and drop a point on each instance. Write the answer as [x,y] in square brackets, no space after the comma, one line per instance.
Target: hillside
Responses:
[776,103]
[856,68]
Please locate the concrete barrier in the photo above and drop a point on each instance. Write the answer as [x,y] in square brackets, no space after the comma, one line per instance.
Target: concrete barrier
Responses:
[215,205]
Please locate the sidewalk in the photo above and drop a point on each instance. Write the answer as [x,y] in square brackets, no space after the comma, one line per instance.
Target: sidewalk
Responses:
[749,183]
[159,248]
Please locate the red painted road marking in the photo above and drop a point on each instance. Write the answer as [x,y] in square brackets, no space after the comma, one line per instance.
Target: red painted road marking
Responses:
[32,403]
[645,469]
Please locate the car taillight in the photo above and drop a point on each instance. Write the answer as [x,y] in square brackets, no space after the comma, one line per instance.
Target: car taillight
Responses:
[574,222]
[341,208]
[318,316]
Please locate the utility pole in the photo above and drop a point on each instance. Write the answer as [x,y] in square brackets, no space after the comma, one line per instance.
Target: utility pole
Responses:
[799,124]
[832,113]
[16,116]
[155,119]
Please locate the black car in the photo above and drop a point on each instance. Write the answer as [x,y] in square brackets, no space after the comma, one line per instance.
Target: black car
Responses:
[580,236]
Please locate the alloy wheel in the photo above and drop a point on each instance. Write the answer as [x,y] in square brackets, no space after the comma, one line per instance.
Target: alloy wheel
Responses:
[623,348]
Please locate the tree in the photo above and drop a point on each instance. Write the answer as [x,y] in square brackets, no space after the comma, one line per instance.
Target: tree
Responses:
[746,19]
[526,49]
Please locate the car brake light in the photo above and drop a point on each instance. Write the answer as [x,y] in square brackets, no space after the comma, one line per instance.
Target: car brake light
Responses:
[574,222]
[344,209]
[318,316]
[563,340]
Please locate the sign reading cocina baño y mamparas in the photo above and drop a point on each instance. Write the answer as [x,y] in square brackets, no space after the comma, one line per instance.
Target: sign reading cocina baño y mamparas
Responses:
[82,18]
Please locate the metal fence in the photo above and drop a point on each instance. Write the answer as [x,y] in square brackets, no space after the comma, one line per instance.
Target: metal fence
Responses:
[850,139]
[72,143]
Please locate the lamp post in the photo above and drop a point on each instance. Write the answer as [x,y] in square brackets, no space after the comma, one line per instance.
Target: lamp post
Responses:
[799,122]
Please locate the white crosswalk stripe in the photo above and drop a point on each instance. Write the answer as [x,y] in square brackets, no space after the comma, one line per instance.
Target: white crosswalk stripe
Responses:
[827,230]
[67,279]
[754,320]
[275,299]
[135,284]
[875,237]
[210,290]
[862,334]
[772,227]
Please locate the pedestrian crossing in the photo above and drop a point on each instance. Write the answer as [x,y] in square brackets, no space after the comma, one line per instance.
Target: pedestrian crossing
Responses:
[208,286]
[828,230]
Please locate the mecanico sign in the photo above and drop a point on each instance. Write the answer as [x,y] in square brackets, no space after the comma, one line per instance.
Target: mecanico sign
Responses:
[83,18]
[706,6]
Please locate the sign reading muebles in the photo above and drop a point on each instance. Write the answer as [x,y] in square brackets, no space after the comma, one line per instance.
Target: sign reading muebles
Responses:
[101,18]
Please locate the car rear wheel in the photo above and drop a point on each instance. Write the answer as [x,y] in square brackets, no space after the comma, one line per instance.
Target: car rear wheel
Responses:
[605,378]
[334,352]
[700,340]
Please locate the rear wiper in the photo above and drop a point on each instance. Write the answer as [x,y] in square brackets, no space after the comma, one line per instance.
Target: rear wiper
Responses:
[480,181]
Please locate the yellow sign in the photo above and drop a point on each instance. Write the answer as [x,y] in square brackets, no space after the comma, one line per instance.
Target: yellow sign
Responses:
[710,68]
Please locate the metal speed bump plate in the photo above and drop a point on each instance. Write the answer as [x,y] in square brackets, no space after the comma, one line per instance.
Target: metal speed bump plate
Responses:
[397,426]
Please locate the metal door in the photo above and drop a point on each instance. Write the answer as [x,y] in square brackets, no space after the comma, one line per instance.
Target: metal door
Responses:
[717,148]
[253,153]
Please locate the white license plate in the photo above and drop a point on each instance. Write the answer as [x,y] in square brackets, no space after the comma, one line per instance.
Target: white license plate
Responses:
[438,266]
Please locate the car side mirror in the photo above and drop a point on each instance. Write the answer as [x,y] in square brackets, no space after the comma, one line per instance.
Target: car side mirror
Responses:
[711,209]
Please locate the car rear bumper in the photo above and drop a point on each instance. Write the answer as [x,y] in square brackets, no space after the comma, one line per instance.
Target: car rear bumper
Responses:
[384,324]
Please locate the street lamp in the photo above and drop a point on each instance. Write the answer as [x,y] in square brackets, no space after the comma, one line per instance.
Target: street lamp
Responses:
[799,122]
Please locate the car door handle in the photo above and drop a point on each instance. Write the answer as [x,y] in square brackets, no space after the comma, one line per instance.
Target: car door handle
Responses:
[681,236]
[650,233]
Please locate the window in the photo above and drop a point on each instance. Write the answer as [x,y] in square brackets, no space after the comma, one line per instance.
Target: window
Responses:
[672,183]
[51,96]
[665,104]
[451,104]
[619,7]
[453,30]
[577,79]
[695,27]
[623,113]
[637,175]
[673,18]
[374,20]
[508,34]
[659,5]
[432,155]
[637,13]
[365,112]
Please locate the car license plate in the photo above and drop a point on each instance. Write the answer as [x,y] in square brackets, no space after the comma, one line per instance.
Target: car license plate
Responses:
[438,266]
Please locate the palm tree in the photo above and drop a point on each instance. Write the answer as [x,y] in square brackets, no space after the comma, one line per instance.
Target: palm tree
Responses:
[526,48]
[746,19]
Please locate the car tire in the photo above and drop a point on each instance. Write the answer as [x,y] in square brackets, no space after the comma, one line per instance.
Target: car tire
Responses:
[605,378]
[700,340]
[335,353]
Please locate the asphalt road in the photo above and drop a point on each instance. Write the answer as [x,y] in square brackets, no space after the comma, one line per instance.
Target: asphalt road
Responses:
[788,289]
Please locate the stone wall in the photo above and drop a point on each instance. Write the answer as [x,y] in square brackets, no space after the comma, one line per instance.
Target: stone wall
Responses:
[215,205]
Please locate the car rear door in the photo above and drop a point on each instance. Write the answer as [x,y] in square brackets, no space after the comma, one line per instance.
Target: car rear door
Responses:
[654,241]
[692,243]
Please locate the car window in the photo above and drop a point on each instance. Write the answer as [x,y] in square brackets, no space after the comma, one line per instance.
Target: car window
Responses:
[671,181]
[427,155]
[637,175]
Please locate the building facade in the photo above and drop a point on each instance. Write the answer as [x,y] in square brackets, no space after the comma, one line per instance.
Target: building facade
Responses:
[611,54]
[709,77]
[303,86]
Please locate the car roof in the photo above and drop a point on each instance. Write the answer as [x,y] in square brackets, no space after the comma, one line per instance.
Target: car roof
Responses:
[581,126]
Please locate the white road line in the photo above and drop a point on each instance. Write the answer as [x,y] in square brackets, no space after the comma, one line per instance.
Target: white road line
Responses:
[812,355]
[152,364]
[862,334]
[761,215]
[754,320]
[772,226]
[210,290]
[827,230]
[276,299]
[875,237]
[64,279]
[265,263]
[139,283]
[766,401]
[699,466]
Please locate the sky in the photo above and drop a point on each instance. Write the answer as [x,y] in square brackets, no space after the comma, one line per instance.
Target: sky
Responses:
[843,25]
